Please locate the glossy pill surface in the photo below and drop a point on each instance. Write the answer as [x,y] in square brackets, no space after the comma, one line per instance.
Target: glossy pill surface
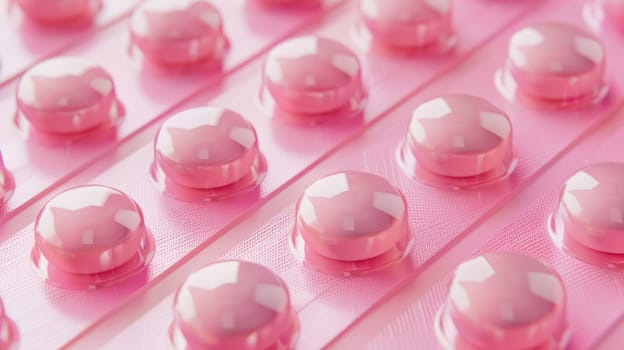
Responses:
[458,141]
[67,96]
[178,32]
[408,23]
[208,148]
[233,305]
[556,62]
[504,300]
[310,75]
[90,230]
[351,219]
[588,222]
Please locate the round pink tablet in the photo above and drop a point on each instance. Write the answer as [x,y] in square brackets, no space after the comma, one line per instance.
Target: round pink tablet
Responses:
[311,76]
[209,152]
[90,236]
[458,141]
[60,11]
[67,96]
[8,331]
[408,23]
[555,63]
[504,301]
[351,222]
[589,222]
[178,32]
[234,305]
[7,182]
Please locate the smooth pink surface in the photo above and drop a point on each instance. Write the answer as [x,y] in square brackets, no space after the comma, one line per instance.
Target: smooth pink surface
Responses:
[67,95]
[612,10]
[556,61]
[89,229]
[180,242]
[346,298]
[60,11]
[459,136]
[407,23]
[7,183]
[504,300]
[351,216]
[234,305]
[178,32]
[591,206]
[8,331]
[312,75]
[206,147]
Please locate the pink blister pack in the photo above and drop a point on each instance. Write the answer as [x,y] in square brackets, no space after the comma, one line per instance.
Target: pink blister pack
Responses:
[307,174]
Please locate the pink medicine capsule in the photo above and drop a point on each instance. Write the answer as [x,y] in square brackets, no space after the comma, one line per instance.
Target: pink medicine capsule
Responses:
[67,97]
[182,32]
[233,305]
[351,222]
[504,301]
[59,12]
[8,331]
[589,220]
[7,182]
[205,153]
[309,77]
[458,141]
[554,64]
[409,24]
[90,236]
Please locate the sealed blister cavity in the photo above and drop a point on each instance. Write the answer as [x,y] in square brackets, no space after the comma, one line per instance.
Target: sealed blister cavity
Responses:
[177,35]
[234,305]
[604,13]
[458,142]
[61,12]
[8,331]
[408,25]
[7,182]
[65,100]
[553,65]
[311,79]
[504,301]
[91,236]
[351,223]
[207,153]
[589,220]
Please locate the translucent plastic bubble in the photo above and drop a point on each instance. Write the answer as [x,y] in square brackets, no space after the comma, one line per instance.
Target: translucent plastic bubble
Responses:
[207,153]
[554,65]
[234,305]
[311,79]
[91,236]
[65,100]
[458,142]
[351,223]
[504,301]
[589,220]
[177,35]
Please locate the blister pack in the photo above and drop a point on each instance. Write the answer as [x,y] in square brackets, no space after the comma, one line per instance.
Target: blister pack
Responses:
[273,174]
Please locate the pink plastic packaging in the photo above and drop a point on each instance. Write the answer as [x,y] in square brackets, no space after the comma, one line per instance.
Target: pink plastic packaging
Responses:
[314,293]
[328,157]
